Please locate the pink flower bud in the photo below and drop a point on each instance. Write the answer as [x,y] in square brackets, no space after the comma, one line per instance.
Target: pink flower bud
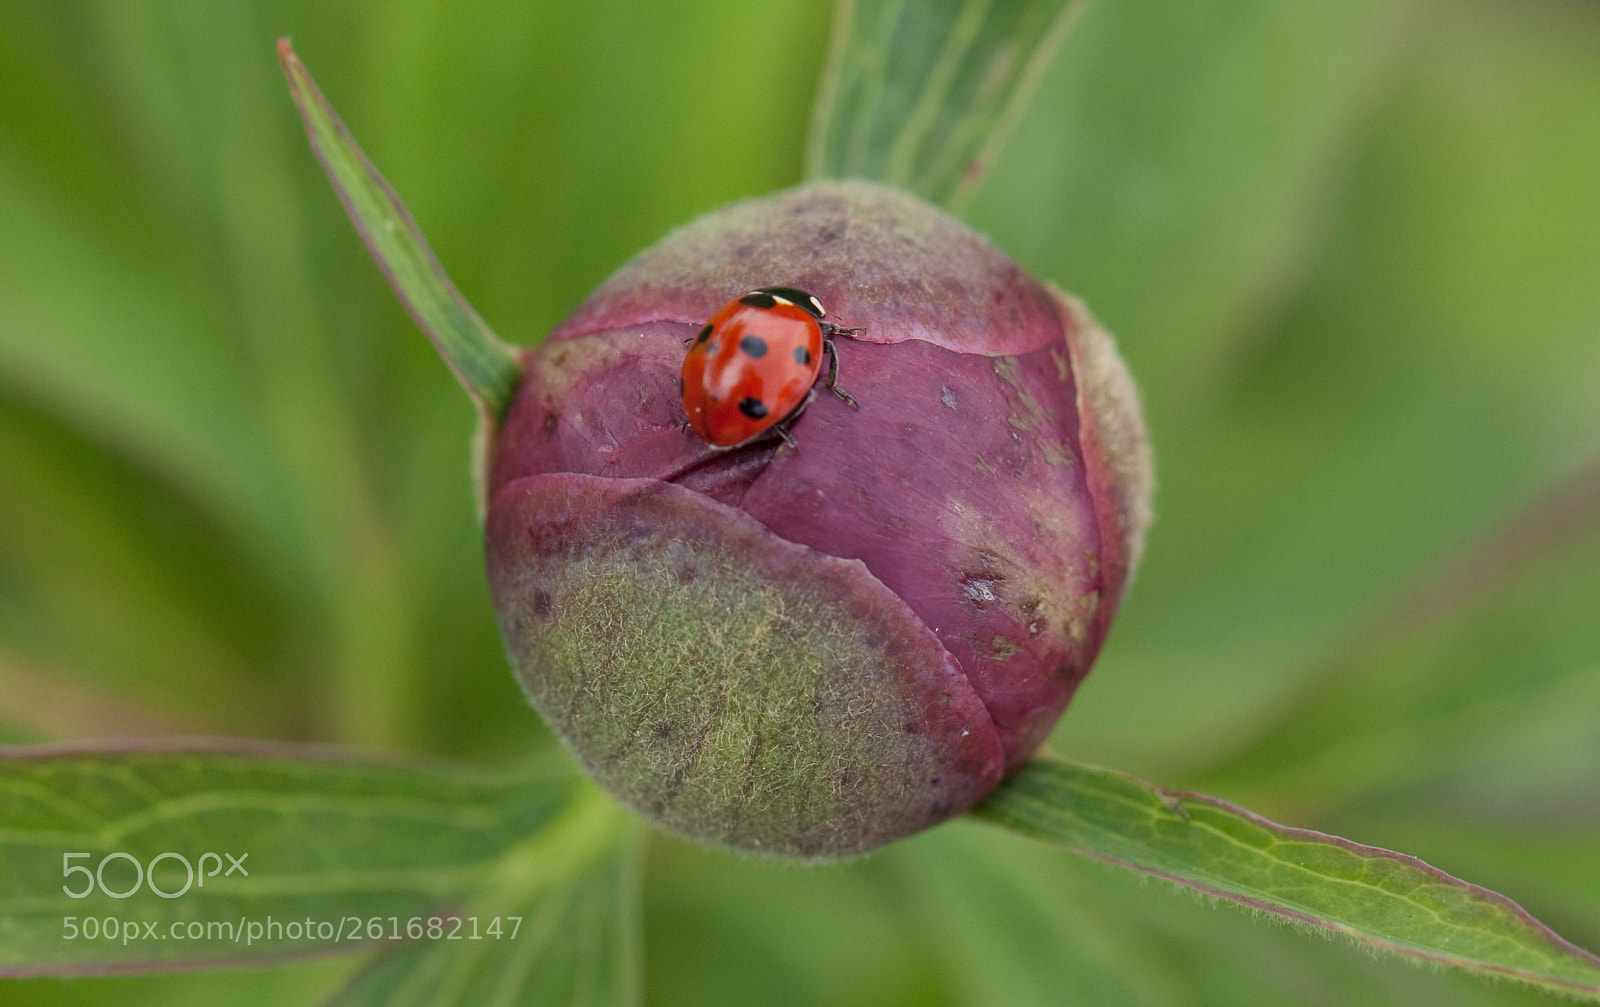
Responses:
[817,651]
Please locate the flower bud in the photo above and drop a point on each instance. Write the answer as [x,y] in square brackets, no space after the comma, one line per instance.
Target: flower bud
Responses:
[813,652]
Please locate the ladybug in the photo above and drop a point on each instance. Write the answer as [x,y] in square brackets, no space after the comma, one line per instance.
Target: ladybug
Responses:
[750,371]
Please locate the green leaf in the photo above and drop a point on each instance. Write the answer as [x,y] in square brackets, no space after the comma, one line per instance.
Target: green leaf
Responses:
[486,367]
[322,837]
[1385,900]
[923,95]
[564,910]
[1010,921]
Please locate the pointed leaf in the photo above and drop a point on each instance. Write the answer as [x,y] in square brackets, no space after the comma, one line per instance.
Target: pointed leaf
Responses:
[923,95]
[1385,900]
[1014,922]
[323,838]
[486,367]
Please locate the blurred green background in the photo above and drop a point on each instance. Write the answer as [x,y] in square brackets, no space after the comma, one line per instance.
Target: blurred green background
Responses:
[1351,251]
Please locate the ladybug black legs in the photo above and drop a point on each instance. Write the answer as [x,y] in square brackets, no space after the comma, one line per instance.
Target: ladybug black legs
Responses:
[833,369]
[782,429]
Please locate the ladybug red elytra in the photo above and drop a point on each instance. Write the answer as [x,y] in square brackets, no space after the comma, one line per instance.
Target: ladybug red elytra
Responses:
[752,368]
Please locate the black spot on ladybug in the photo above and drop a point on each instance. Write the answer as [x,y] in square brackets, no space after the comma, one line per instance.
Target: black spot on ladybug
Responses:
[705,334]
[754,345]
[759,299]
[753,408]
[802,356]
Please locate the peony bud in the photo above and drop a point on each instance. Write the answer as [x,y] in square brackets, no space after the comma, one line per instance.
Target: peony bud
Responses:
[816,652]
